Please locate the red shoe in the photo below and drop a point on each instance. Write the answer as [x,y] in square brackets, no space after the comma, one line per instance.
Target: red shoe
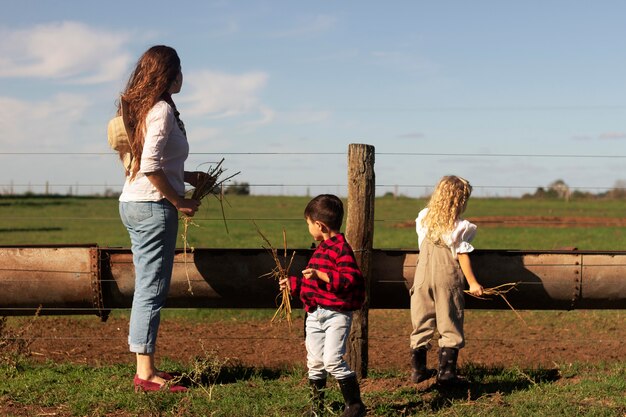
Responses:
[144,385]
[164,375]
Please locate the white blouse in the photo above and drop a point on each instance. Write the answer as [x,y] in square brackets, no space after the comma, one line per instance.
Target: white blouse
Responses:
[458,240]
[165,148]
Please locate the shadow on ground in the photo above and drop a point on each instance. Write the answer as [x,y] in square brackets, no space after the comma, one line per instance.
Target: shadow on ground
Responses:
[493,382]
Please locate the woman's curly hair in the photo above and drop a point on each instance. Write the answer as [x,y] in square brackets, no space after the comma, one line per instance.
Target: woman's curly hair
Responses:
[446,205]
[153,75]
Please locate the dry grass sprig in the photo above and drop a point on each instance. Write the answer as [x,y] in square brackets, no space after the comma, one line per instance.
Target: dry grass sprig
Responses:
[15,343]
[205,372]
[207,184]
[500,291]
[186,223]
[211,183]
[280,272]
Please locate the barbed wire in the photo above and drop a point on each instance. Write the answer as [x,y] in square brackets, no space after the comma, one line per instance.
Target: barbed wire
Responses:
[539,220]
[526,340]
[9,188]
[456,154]
[252,185]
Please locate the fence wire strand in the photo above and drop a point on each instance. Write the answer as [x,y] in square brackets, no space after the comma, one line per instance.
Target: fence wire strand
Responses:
[48,220]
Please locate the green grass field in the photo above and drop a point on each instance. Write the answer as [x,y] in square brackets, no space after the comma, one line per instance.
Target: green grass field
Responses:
[34,221]
[31,388]
[75,390]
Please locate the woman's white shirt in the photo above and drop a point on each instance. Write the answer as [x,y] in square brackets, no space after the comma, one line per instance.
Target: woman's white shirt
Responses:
[458,240]
[165,148]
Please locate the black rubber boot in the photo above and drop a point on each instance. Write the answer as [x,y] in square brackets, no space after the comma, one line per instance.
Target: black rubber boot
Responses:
[318,386]
[352,396]
[447,375]
[418,362]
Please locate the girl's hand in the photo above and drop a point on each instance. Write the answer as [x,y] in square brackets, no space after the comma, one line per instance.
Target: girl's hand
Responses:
[476,289]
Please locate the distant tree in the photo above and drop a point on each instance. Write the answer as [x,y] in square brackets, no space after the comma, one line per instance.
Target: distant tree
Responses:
[619,189]
[561,188]
[109,192]
[580,195]
[238,189]
[542,193]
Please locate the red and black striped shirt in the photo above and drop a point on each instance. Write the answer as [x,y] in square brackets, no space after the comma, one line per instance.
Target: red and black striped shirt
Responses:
[346,289]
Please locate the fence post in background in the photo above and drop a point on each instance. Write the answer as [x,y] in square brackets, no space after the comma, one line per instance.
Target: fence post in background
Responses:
[360,235]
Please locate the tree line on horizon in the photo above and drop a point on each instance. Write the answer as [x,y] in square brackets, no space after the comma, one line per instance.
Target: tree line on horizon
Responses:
[556,190]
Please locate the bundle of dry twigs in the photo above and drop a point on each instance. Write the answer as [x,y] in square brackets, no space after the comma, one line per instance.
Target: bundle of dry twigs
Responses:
[211,183]
[499,291]
[280,272]
[208,184]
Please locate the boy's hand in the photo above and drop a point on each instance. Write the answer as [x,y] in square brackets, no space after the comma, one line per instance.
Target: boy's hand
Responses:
[476,289]
[284,283]
[311,273]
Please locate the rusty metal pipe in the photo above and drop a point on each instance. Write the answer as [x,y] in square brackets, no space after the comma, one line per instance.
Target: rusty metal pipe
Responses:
[63,280]
[92,280]
[547,280]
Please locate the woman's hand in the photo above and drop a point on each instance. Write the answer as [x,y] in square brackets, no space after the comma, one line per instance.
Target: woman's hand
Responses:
[196,178]
[187,206]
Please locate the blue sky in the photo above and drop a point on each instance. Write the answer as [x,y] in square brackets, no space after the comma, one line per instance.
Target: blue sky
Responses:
[490,90]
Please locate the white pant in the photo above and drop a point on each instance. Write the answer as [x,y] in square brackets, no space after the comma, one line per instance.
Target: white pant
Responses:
[326,336]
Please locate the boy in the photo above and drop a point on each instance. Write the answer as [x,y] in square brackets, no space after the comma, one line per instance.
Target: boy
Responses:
[331,288]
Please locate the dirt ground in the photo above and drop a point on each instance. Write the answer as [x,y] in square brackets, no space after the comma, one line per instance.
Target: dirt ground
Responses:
[550,340]
[494,338]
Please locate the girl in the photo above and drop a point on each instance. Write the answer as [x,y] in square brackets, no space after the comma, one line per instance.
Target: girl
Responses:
[437,299]
[153,195]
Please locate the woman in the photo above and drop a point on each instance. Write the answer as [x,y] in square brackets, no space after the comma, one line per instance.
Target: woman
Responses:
[153,195]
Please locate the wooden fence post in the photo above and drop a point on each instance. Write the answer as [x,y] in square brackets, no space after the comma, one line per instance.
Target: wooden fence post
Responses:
[360,235]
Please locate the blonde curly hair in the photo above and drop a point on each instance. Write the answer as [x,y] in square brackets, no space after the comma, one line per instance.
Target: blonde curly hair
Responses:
[447,203]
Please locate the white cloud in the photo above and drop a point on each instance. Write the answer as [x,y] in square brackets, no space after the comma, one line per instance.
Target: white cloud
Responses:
[613,135]
[70,51]
[203,133]
[412,135]
[601,136]
[222,95]
[301,117]
[267,116]
[42,125]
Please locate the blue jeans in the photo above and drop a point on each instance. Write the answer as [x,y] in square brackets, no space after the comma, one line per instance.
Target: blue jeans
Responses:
[153,228]
[326,336]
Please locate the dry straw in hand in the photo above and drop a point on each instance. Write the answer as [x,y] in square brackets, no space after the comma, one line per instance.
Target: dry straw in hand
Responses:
[499,291]
[280,272]
[211,183]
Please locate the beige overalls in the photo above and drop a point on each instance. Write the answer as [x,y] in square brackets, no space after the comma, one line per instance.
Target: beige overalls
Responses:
[437,299]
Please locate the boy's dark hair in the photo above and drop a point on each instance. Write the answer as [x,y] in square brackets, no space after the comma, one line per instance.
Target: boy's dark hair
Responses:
[325,208]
